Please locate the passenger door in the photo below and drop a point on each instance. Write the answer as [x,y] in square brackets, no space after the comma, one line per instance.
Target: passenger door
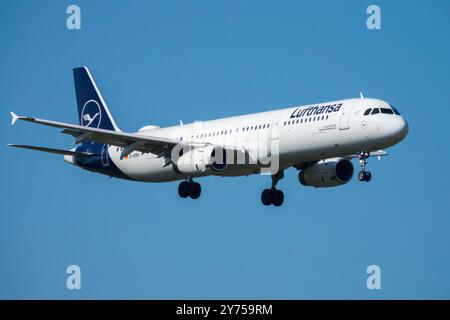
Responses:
[274,136]
[345,112]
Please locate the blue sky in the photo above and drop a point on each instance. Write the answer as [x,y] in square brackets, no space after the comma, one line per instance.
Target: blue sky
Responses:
[160,61]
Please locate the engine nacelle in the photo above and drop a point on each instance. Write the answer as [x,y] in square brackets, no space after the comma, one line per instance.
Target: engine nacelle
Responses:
[219,158]
[193,161]
[327,173]
[198,160]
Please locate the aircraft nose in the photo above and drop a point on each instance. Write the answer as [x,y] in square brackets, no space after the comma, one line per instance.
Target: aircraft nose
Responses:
[399,128]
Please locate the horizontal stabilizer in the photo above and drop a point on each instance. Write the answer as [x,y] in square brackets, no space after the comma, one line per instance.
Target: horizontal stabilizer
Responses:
[51,150]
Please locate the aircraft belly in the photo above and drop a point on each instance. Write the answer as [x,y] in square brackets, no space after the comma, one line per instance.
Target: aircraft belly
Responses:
[144,167]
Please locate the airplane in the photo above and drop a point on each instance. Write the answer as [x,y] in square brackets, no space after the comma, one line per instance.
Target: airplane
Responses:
[319,140]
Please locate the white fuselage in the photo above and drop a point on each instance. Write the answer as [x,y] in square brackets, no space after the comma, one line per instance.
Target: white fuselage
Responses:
[301,136]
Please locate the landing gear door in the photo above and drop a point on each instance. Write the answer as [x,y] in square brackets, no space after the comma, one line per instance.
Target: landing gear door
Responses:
[345,112]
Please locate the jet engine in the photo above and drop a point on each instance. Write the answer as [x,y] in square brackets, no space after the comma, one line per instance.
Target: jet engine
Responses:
[199,159]
[327,173]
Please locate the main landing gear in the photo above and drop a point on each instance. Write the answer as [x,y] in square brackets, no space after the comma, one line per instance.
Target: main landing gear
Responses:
[273,195]
[364,175]
[189,188]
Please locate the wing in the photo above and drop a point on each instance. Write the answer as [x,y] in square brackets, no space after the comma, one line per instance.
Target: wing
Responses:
[379,154]
[128,141]
[51,150]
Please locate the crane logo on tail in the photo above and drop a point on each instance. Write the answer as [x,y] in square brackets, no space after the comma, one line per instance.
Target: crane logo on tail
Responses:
[91,114]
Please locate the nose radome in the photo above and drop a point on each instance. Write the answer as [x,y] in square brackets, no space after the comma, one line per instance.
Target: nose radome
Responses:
[399,128]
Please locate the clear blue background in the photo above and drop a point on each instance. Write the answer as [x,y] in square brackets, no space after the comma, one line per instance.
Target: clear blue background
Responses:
[160,61]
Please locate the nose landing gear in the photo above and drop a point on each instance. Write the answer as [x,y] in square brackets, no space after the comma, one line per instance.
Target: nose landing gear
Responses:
[364,175]
[189,188]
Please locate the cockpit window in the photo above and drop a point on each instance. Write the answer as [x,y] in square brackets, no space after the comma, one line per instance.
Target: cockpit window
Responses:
[395,110]
[367,111]
[375,111]
[387,111]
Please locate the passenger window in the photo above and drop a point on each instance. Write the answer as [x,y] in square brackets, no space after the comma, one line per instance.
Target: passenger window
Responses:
[367,111]
[387,111]
[375,111]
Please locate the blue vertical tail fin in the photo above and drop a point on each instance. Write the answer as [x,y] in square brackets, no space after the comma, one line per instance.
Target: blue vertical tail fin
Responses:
[92,109]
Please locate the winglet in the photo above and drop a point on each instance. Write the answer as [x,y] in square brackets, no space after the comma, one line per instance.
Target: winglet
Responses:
[361,95]
[14,117]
